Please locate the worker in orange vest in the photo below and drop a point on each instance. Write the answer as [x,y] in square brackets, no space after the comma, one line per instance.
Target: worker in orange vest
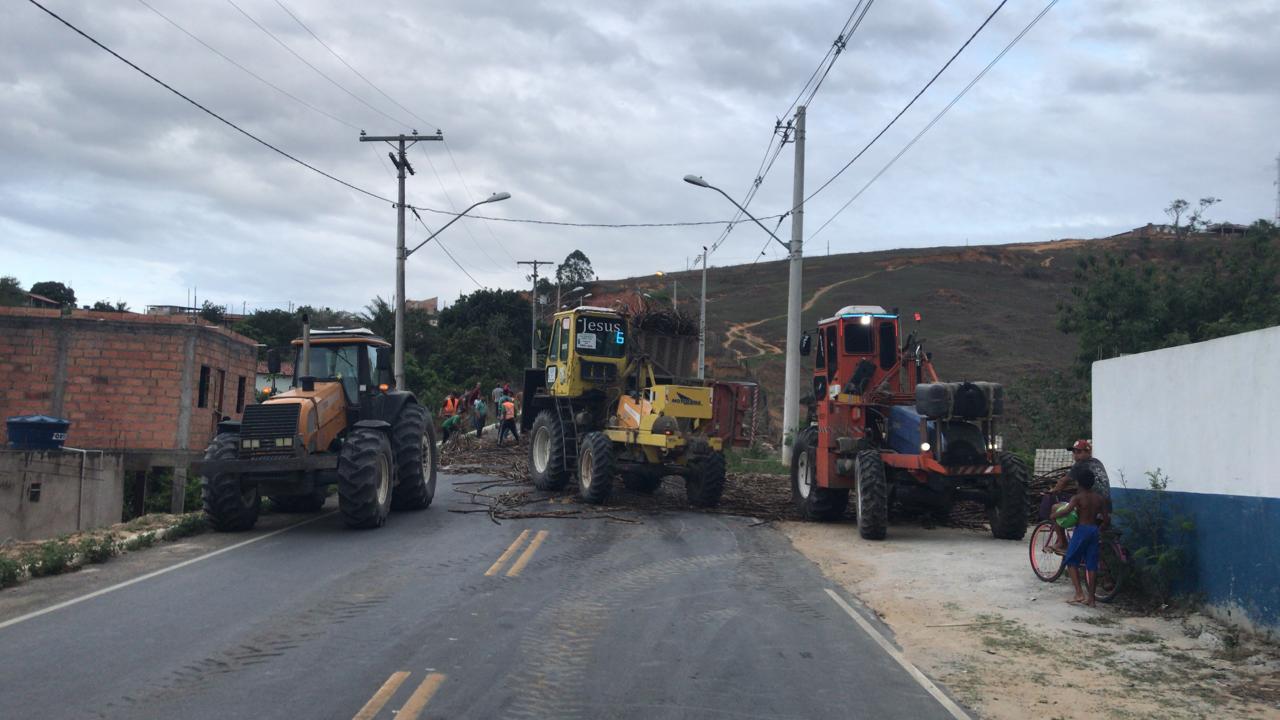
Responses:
[508,414]
[450,406]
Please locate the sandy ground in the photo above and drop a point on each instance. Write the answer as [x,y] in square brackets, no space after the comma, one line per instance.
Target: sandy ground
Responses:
[968,611]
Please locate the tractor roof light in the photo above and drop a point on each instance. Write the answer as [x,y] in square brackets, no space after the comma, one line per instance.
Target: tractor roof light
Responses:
[925,447]
[866,320]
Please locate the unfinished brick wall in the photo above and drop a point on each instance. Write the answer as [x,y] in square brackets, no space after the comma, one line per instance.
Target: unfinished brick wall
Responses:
[125,381]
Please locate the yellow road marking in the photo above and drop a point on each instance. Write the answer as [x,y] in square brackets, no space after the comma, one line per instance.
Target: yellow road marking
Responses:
[420,698]
[527,554]
[380,698]
[511,550]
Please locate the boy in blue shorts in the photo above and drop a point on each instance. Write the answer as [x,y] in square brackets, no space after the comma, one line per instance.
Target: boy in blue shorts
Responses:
[1086,541]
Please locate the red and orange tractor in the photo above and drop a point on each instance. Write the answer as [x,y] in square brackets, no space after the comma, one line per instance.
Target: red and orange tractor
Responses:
[885,427]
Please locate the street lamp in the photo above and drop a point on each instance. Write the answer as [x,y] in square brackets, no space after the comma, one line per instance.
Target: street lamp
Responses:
[584,297]
[398,351]
[791,386]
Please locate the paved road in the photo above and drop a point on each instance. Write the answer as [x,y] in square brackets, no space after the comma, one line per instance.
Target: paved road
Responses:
[444,615]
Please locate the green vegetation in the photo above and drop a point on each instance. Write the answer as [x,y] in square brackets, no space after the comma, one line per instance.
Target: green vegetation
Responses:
[754,459]
[10,572]
[56,292]
[11,292]
[1158,540]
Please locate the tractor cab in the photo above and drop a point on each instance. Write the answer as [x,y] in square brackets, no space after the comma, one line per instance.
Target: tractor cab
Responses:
[857,350]
[356,358]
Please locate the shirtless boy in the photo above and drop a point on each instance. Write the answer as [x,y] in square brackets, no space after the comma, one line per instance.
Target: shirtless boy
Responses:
[1086,541]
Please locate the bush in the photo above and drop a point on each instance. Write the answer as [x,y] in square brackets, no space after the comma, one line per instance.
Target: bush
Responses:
[1158,540]
[188,525]
[97,549]
[10,572]
[51,558]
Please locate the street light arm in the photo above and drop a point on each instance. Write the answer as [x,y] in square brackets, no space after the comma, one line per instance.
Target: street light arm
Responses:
[493,198]
[753,217]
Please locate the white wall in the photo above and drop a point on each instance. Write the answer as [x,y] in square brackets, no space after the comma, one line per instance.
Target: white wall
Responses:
[1204,413]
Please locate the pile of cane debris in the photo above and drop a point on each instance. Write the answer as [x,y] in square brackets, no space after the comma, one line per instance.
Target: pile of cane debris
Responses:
[507,493]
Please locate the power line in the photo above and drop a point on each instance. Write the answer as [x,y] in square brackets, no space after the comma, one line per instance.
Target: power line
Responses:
[906,107]
[349,67]
[471,198]
[448,198]
[938,117]
[838,47]
[206,110]
[317,70]
[442,246]
[247,71]
[344,183]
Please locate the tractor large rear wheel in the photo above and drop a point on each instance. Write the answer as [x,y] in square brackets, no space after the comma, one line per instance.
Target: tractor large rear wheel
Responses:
[704,485]
[811,501]
[413,440]
[1007,507]
[546,452]
[873,496]
[595,468]
[229,504]
[364,478]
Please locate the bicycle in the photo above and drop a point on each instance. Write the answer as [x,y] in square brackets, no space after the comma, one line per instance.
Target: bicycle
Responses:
[1046,560]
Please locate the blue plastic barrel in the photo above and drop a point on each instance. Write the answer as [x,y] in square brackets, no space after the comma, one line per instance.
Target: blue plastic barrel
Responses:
[37,432]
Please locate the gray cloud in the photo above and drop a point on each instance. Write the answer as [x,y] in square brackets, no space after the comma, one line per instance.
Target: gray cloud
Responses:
[593,112]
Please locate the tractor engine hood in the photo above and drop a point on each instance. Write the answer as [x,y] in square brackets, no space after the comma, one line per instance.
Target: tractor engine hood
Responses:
[319,414]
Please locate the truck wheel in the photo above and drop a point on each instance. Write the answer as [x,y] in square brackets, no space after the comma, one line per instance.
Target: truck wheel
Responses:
[229,504]
[546,452]
[364,478]
[811,501]
[595,468]
[705,483]
[1007,508]
[873,496]
[413,440]
[643,482]
[300,503]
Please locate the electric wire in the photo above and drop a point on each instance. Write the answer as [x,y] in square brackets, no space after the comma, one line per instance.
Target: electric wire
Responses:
[206,110]
[358,74]
[442,247]
[904,109]
[247,71]
[317,70]
[453,206]
[938,117]
[471,198]
[191,101]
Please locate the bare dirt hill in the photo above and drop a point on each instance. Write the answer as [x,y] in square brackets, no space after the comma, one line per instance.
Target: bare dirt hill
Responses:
[988,312]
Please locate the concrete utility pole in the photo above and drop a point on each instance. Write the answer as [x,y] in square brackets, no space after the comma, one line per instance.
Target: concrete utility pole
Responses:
[1277,220]
[791,390]
[702,320]
[402,164]
[533,312]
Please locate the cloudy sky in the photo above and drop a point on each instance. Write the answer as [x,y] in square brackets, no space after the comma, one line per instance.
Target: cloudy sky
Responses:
[592,112]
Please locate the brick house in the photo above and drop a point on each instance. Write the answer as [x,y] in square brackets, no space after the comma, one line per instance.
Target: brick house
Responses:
[150,386]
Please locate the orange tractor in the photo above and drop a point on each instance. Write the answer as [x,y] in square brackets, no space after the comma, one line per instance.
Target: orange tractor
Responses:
[884,427]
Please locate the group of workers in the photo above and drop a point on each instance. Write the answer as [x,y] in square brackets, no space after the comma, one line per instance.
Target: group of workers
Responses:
[458,406]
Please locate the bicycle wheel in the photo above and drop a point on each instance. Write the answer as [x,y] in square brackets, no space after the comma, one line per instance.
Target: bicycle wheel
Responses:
[1110,573]
[1045,562]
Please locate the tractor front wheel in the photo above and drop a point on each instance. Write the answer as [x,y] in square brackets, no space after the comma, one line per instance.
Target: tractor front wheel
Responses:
[873,496]
[413,439]
[595,468]
[1007,507]
[229,504]
[364,478]
[705,483]
[811,501]
[546,452]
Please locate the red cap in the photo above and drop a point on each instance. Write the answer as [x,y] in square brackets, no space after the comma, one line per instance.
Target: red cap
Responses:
[1082,445]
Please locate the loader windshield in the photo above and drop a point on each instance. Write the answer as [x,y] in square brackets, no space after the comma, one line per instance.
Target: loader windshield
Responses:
[600,336]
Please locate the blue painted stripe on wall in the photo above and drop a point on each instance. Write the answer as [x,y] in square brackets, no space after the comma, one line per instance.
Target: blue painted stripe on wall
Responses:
[1236,548]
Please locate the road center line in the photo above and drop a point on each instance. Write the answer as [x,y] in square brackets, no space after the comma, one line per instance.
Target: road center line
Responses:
[947,703]
[380,698]
[527,554]
[511,550]
[420,698]
[157,573]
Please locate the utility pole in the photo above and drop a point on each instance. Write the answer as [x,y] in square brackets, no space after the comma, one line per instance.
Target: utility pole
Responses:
[1277,220]
[791,391]
[702,320]
[401,143]
[533,313]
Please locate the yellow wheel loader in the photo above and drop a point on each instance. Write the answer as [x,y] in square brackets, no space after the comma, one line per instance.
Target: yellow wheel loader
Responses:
[340,424]
[597,409]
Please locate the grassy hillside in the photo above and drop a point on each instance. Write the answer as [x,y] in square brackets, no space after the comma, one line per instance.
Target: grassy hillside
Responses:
[988,312]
